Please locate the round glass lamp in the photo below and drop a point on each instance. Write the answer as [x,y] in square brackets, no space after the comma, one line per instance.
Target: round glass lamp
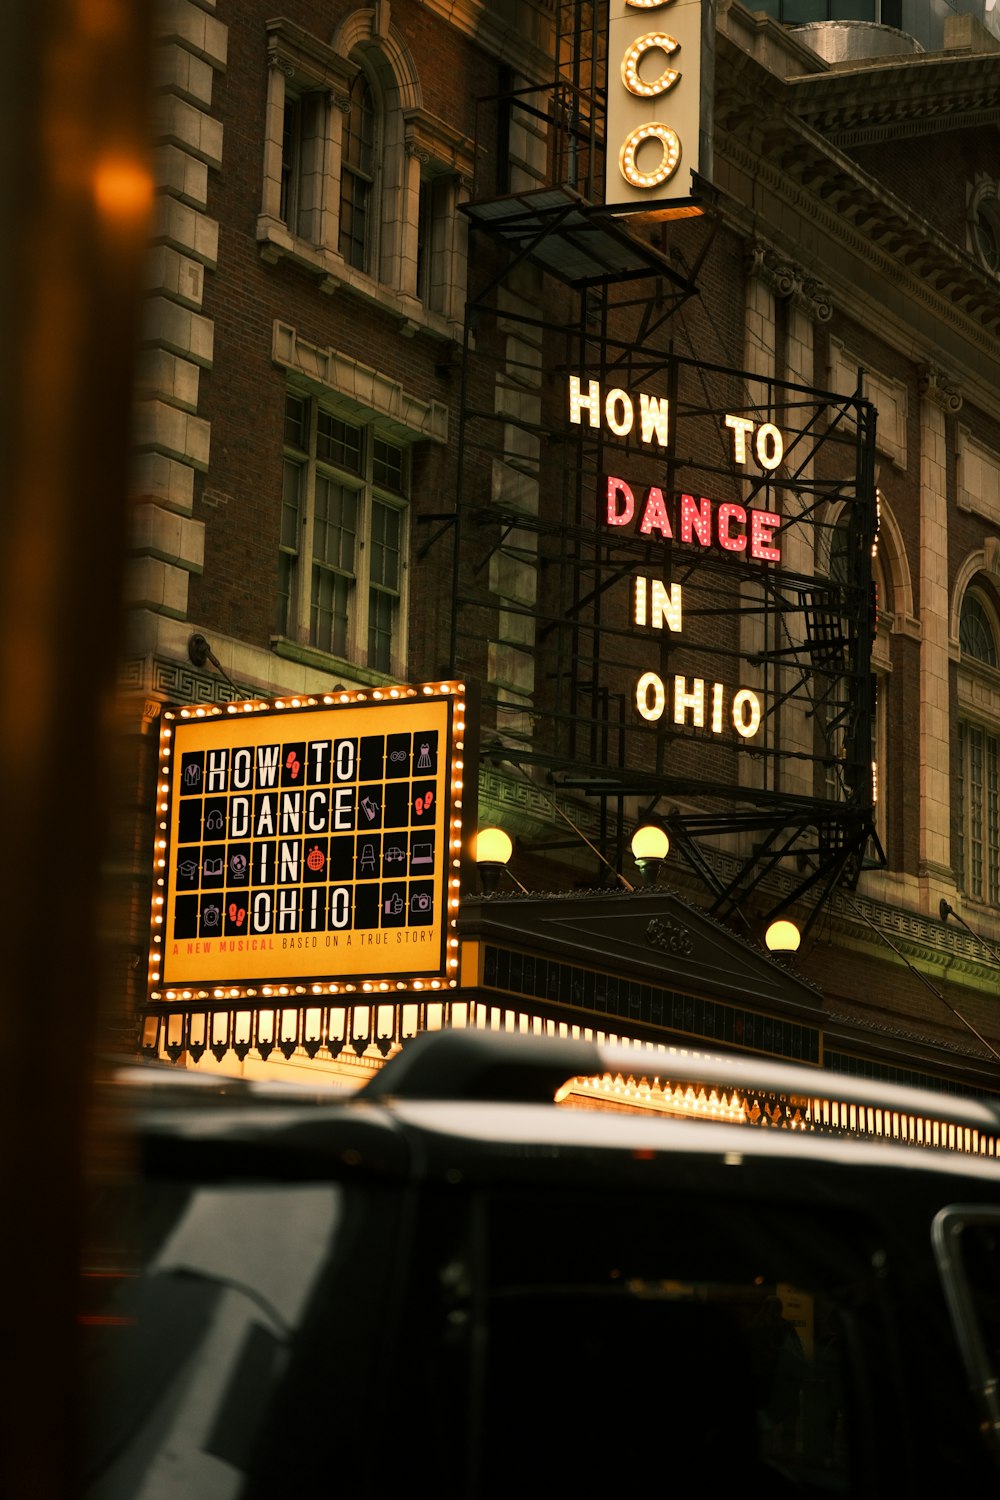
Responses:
[493,849]
[782,937]
[650,847]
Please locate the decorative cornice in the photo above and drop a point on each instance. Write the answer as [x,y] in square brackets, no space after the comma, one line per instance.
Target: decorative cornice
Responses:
[434,140]
[788,280]
[970,305]
[367,389]
[778,133]
[297,53]
[876,135]
[899,96]
[937,387]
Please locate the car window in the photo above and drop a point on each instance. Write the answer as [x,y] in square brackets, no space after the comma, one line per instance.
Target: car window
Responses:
[185,1354]
[967,1246]
[583,1337]
[714,1337]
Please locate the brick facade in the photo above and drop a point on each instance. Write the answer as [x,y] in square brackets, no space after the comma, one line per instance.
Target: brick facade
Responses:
[845,247]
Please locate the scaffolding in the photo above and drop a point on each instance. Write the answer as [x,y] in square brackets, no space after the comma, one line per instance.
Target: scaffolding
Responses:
[567,298]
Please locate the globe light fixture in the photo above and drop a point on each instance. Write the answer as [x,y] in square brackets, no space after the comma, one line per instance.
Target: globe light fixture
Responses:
[782,937]
[493,850]
[650,847]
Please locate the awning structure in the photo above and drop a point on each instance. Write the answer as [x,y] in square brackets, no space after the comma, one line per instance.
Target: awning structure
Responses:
[605,966]
[571,239]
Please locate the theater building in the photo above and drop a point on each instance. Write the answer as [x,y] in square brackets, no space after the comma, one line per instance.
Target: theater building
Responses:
[568,419]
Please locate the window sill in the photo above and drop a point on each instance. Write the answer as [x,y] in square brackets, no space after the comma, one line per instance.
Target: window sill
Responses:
[277,243]
[336,666]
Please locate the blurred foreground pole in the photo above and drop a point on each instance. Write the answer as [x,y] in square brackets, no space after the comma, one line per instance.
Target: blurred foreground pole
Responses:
[75,193]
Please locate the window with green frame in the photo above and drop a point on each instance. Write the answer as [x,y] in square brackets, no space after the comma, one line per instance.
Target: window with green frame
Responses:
[979,811]
[978,788]
[357,177]
[341,554]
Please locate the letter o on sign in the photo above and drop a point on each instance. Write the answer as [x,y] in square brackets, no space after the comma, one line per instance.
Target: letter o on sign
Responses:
[670,155]
[770,446]
[746,713]
[650,696]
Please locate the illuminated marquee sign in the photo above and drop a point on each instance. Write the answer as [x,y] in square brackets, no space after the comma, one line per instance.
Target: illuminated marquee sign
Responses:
[747,533]
[308,845]
[659,87]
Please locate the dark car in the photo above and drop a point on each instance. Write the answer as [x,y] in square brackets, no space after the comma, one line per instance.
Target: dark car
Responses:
[448,1285]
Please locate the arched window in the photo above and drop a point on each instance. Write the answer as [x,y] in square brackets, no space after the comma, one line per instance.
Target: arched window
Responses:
[976,636]
[362,185]
[984,223]
[358,192]
[978,785]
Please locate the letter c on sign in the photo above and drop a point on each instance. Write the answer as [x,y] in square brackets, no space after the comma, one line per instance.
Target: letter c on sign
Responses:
[653,41]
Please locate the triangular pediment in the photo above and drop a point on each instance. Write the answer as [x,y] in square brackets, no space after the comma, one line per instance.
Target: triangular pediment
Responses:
[657,938]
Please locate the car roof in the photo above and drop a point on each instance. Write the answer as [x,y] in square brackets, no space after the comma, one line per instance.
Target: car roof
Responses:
[482,1105]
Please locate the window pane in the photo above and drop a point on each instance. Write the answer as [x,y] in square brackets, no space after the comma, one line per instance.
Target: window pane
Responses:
[797,12]
[424,242]
[975,633]
[289,160]
[975,797]
[359,128]
[385,545]
[296,422]
[381,611]
[388,465]
[338,442]
[987,230]
[283,622]
[328,615]
[354,209]
[992,833]
[962,777]
[290,491]
[978,809]
[356,175]
[345,490]
[852,10]
[336,526]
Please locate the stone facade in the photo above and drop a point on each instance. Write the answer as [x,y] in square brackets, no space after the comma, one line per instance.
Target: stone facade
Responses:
[852,212]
